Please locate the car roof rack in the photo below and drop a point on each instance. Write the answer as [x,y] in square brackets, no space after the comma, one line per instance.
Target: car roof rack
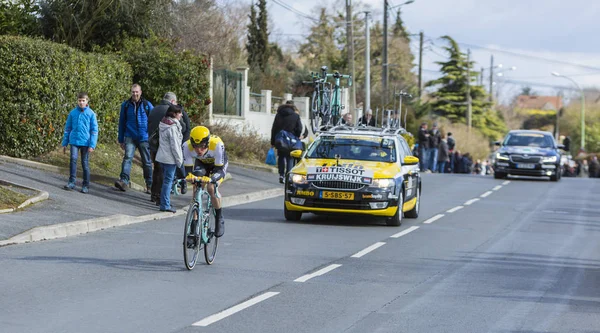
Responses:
[371,130]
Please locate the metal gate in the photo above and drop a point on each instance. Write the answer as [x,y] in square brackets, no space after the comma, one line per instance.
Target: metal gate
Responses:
[227,92]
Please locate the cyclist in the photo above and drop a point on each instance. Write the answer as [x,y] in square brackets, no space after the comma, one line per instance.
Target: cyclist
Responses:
[205,154]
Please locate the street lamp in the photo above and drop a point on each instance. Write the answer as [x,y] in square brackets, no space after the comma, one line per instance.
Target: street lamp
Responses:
[582,106]
[402,4]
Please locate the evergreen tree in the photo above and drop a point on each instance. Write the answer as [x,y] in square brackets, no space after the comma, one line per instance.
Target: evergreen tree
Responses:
[258,37]
[321,48]
[450,100]
[399,29]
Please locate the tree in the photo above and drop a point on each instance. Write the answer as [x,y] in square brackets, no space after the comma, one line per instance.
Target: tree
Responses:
[19,18]
[528,91]
[258,37]
[321,46]
[450,100]
[86,24]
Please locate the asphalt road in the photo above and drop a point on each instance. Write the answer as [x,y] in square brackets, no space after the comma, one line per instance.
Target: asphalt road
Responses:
[524,257]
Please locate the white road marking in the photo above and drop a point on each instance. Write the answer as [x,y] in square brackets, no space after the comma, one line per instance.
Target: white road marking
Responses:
[486,194]
[496,188]
[452,210]
[506,182]
[368,249]
[226,313]
[471,201]
[404,232]
[320,272]
[433,219]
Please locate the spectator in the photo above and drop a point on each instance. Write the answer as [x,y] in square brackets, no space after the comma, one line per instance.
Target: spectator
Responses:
[594,167]
[154,119]
[367,119]
[434,143]
[133,133]
[478,167]
[394,122]
[466,163]
[288,120]
[347,119]
[443,155]
[451,145]
[169,153]
[81,133]
[423,137]
[457,162]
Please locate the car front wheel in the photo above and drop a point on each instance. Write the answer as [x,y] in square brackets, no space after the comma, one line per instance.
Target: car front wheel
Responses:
[291,215]
[396,220]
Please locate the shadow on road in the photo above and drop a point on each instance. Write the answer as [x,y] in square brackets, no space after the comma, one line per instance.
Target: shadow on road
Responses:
[276,216]
[134,264]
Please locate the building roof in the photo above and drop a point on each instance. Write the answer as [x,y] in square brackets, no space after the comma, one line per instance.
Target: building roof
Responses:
[539,102]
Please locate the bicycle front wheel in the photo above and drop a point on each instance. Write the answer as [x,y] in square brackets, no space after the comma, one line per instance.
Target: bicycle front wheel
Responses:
[210,248]
[191,237]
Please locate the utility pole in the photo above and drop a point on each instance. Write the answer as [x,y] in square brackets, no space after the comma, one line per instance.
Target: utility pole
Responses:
[469,101]
[491,78]
[367,65]
[384,75]
[350,39]
[481,77]
[420,62]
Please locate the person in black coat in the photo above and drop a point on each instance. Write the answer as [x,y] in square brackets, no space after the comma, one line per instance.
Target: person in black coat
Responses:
[285,119]
[154,118]
[367,119]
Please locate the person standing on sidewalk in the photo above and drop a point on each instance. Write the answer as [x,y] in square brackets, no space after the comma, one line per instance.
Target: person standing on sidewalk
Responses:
[169,153]
[451,145]
[434,143]
[423,137]
[133,133]
[443,156]
[154,119]
[81,133]
[288,120]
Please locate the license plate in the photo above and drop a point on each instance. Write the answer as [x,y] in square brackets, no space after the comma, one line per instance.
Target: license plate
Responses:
[337,195]
[526,166]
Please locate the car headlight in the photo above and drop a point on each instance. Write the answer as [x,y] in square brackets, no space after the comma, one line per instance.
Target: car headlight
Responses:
[549,159]
[383,183]
[501,157]
[298,179]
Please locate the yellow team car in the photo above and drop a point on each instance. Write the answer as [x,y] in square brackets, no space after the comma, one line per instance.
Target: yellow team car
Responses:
[366,170]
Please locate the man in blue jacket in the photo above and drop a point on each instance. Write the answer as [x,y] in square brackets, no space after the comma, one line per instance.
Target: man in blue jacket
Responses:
[133,133]
[81,133]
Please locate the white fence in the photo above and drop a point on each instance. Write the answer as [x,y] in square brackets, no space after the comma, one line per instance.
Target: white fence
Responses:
[258,110]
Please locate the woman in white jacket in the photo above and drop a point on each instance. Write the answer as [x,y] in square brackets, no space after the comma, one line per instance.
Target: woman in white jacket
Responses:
[169,153]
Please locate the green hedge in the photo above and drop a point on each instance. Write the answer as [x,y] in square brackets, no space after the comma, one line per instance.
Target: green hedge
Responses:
[159,69]
[39,81]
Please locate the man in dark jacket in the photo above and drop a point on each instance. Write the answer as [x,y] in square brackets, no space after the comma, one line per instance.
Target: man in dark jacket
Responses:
[443,156]
[367,118]
[423,137]
[434,143]
[133,133]
[157,114]
[285,119]
[451,145]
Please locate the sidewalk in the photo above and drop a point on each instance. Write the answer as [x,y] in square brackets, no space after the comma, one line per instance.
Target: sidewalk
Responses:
[67,213]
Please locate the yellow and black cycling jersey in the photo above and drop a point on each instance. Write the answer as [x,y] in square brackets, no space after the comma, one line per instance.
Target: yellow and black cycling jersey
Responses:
[214,161]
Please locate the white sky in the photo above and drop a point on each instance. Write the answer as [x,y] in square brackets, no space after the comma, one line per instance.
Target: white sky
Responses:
[559,30]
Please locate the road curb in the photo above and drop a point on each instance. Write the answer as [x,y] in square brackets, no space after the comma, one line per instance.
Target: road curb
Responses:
[67,229]
[42,195]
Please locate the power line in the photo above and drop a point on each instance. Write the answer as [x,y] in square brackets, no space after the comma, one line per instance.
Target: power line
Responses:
[523,55]
[294,10]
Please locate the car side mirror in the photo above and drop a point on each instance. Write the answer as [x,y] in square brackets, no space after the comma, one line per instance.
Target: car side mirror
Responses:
[410,160]
[296,153]
[560,147]
[497,143]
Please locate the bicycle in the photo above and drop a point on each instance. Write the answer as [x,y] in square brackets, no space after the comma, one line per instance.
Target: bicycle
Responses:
[320,98]
[199,228]
[334,117]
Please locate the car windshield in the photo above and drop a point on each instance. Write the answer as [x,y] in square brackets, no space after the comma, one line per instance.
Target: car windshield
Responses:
[530,140]
[364,149]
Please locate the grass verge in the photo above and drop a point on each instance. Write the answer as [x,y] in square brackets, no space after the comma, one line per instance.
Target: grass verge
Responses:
[10,199]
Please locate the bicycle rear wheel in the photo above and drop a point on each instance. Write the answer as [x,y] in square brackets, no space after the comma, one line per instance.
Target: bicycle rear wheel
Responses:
[210,248]
[315,117]
[191,237]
